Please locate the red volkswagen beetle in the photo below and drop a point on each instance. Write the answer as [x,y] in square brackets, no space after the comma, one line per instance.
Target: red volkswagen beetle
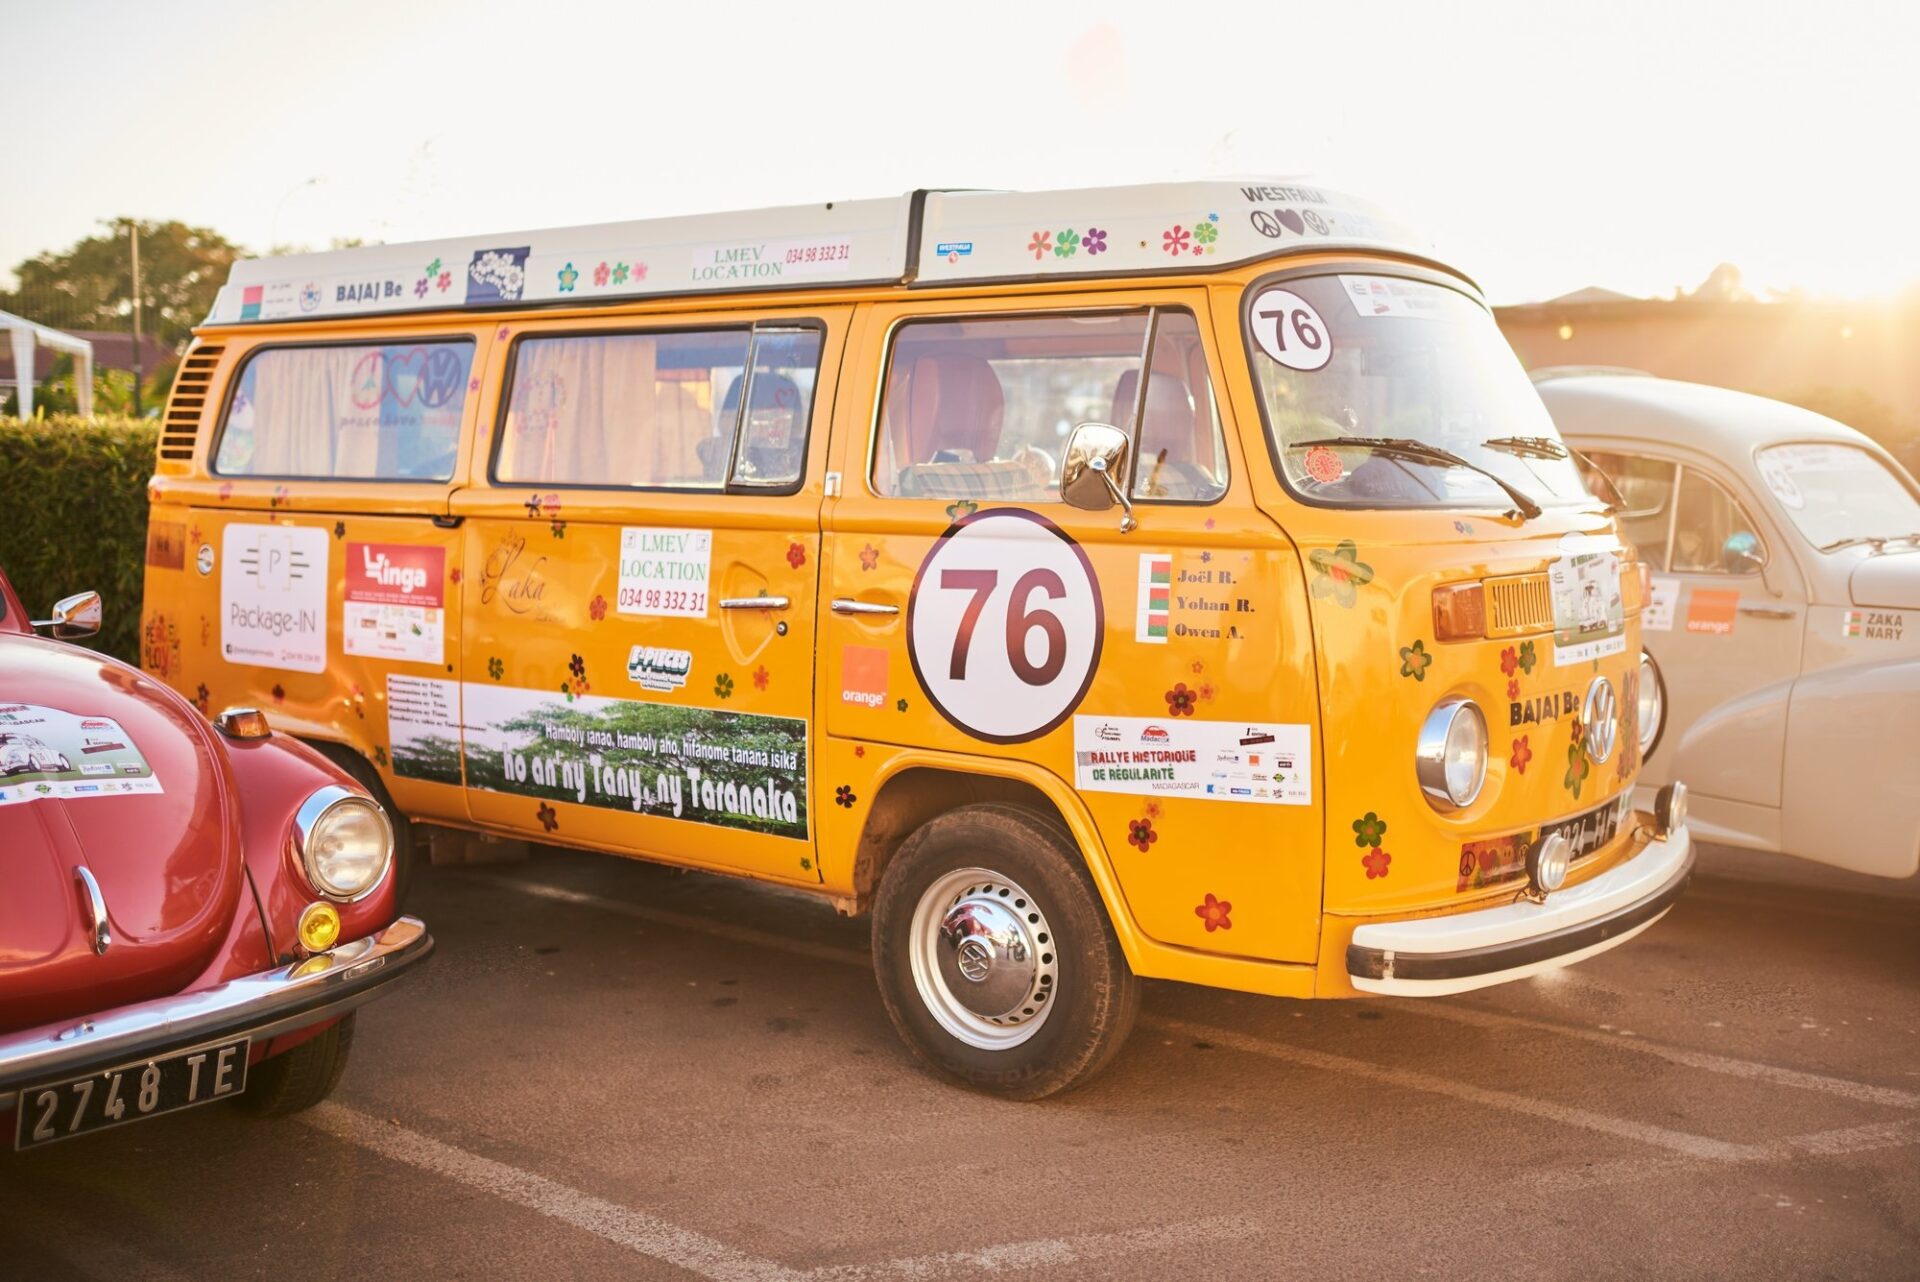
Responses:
[189,910]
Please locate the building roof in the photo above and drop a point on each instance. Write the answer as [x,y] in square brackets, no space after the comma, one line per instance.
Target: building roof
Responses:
[923,238]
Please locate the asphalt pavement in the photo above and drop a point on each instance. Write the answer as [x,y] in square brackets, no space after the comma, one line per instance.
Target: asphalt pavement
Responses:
[613,1070]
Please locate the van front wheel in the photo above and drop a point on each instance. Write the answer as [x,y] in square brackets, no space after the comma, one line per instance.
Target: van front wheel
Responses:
[994,954]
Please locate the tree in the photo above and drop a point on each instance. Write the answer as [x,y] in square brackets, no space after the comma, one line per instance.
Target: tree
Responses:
[89,285]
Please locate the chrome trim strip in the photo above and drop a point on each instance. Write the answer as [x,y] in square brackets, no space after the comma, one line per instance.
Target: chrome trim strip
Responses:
[96,910]
[288,997]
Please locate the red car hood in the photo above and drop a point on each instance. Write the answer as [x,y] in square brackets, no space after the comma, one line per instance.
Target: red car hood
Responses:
[103,768]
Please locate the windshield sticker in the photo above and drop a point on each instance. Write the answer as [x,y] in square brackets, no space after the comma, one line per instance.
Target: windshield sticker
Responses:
[1323,465]
[1207,760]
[45,752]
[1373,296]
[728,769]
[1775,470]
[665,572]
[1711,610]
[1662,596]
[395,605]
[1290,331]
[1873,625]
[1589,620]
[1156,598]
[273,596]
[423,727]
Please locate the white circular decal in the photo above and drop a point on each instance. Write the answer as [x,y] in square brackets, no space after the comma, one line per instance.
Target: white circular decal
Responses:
[1289,330]
[1004,626]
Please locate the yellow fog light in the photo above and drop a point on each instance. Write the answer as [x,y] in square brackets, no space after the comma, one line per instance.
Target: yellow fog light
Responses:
[319,927]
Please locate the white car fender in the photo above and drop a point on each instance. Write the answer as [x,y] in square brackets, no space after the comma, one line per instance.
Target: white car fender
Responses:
[1852,796]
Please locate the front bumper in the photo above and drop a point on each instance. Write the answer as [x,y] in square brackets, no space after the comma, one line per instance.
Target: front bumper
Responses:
[1432,956]
[324,986]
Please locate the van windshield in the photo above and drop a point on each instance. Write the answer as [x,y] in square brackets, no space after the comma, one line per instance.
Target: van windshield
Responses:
[1410,373]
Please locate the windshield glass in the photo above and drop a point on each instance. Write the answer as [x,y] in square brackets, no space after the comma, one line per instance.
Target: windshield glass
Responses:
[1839,493]
[1387,357]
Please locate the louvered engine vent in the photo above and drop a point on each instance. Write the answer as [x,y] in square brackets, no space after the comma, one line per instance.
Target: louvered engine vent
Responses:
[189,398]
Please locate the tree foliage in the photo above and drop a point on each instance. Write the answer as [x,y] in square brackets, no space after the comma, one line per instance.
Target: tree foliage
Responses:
[89,285]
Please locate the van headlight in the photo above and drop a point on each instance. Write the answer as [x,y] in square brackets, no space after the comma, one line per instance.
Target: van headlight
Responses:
[343,842]
[1651,705]
[1451,757]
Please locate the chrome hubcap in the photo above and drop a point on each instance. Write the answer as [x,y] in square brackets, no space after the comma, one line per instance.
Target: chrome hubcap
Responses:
[983,958]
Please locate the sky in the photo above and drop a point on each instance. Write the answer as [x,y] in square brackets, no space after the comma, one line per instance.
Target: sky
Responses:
[1546,146]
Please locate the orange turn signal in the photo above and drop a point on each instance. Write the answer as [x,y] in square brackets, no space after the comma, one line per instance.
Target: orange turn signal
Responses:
[243,723]
[1459,611]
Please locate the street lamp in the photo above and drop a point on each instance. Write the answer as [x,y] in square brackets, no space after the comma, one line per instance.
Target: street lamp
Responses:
[273,228]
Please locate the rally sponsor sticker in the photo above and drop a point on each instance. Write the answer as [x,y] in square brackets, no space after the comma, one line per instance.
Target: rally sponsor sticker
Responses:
[658,668]
[273,596]
[49,752]
[1589,615]
[863,675]
[423,727]
[665,571]
[1207,760]
[1873,625]
[395,604]
[1663,595]
[1712,610]
[1005,625]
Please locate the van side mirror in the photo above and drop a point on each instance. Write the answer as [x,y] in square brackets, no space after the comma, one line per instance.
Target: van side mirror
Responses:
[74,617]
[1095,459]
[1740,554]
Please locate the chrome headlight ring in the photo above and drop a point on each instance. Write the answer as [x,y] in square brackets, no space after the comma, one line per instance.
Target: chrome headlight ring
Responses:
[1450,758]
[343,843]
[1653,705]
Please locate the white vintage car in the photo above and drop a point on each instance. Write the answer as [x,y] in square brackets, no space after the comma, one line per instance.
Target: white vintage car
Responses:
[1785,615]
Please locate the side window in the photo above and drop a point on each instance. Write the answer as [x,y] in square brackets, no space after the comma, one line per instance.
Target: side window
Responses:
[982,408]
[1646,485]
[692,410]
[383,411]
[1712,534]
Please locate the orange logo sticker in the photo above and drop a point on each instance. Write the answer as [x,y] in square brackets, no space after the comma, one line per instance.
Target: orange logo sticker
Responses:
[863,675]
[1712,610]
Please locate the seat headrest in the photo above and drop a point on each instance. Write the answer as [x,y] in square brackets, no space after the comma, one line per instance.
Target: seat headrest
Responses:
[953,402]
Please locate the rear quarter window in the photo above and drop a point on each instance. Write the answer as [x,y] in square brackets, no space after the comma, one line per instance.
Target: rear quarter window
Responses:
[380,411]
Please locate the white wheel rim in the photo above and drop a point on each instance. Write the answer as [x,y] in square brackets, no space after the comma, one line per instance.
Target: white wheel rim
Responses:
[984,958]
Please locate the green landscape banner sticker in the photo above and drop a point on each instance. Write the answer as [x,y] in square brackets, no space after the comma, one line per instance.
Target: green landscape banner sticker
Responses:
[49,752]
[730,769]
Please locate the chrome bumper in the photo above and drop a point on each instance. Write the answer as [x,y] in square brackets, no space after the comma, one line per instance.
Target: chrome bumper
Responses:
[322,987]
[1432,956]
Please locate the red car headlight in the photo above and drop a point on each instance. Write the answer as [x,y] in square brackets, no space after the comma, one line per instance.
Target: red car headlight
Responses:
[343,842]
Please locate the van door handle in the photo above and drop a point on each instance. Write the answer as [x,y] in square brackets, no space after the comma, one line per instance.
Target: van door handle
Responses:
[1766,612]
[847,605]
[755,602]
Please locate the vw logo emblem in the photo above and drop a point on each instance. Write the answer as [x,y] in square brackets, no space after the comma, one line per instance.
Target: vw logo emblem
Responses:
[1266,224]
[975,959]
[1598,715]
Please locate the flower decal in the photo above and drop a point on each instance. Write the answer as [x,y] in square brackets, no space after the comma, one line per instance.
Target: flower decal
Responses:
[433,268]
[619,273]
[1205,234]
[1509,660]
[1140,833]
[1369,830]
[869,557]
[225,491]
[1521,755]
[1414,660]
[279,693]
[1376,862]
[1513,688]
[379,754]
[1041,244]
[200,697]
[723,686]
[578,666]
[1176,240]
[558,529]
[1180,700]
[443,282]
[843,797]
[597,608]
[1214,913]
[339,529]
[1066,244]
[761,676]
[568,279]
[960,508]
[601,273]
[899,705]
[420,288]
[1340,573]
[495,668]
[1527,657]
[1578,768]
[796,555]
[1095,241]
[549,817]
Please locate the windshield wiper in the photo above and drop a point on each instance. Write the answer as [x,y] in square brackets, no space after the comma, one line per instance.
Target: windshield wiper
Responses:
[1879,541]
[1529,446]
[1420,451]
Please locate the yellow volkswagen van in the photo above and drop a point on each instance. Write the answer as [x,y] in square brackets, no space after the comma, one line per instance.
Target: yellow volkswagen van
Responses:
[1176,581]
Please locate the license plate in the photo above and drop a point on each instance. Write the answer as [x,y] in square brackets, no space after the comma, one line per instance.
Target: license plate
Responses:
[130,1093]
[1590,831]
[1497,860]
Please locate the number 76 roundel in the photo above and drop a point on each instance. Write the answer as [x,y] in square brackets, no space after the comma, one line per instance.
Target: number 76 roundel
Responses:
[1005,624]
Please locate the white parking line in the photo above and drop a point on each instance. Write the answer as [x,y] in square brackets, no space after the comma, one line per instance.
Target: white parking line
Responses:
[1861,1092]
[699,1254]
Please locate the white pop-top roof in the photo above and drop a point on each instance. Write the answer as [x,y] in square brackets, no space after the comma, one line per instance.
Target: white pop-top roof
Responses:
[925,238]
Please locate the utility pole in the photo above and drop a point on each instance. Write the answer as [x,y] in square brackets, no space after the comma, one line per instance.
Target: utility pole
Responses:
[133,232]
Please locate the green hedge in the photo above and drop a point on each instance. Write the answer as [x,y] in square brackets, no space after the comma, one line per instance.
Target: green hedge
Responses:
[74,496]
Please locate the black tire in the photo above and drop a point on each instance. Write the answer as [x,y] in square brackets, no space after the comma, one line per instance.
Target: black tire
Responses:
[368,778]
[1094,994]
[302,1077]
